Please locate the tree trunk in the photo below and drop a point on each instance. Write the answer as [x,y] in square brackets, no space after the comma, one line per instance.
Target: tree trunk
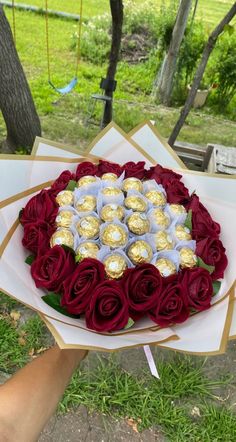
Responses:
[16,101]
[166,79]
[200,72]
[116,7]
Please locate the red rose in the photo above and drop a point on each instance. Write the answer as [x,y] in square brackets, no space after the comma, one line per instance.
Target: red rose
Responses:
[212,252]
[85,168]
[176,192]
[197,284]
[142,285]
[50,270]
[202,222]
[37,237]
[161,174]
[172,304]
[136,170]
[42,207]
[108,309]
[107,167]
[62,181]
[79,287]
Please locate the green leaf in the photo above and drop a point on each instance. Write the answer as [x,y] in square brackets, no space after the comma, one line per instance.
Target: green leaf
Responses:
[30,259]
[129,323]
[68,249]
[216,287]
[71,185]
[188,221]
[201,263]
[78,258]
[54,300]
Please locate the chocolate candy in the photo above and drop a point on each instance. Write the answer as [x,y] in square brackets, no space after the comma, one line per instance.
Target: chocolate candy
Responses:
[88,226]
[177,209]
[62,237]
[111,211]
[114,235]
[109,177]
[156,198]
[64,218]
[138,223]
[163,240]
[115,265]
[87,249]
[65,198]
[86,203]
[188,258]
[86,180]
[139,252]
[111,191]
[160,218]
[182,233]
[135,203]
[132,183]
[165,266]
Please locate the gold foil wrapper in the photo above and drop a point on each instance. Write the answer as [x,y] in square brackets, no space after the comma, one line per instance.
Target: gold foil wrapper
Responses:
[88,227]
[140,252]
[156,198]
[177,209]
[88,249]
[188,258]
[160,218]
[115,265]
[86,180]
[136,203]
[109,177]
[111,211]
[182,233]
[62,237]
[132,183]
[165,266]
[138,223]
[114,235]
[111,191]
[64,218]
[163,240]
[65,198]
[86,203]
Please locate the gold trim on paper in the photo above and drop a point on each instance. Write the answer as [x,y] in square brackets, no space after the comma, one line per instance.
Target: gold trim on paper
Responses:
[61,146]
[48,158]
[24,193]
[7,238]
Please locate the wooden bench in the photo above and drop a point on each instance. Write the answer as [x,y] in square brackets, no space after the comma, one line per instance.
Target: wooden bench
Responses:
[223,159]
[195,157]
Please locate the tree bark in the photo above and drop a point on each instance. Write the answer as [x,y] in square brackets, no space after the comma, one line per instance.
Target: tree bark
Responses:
[200,71]
[16,102]
[116,7]
[165,82]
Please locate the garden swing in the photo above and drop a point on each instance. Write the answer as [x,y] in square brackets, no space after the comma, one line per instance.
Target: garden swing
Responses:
[68,88]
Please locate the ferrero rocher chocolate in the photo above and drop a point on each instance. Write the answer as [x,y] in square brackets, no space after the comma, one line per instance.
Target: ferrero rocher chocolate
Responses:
[111,211]
[138,223]
[165,266]
[65,198]
[62,237]
[111,191]
[114,235]
[135,203]
[156,198]
[87,249]
[109,177]
[88,226]
[187,258]
[139,252]
[163,240]
[182,233]
[132,184]
[86,180]
[86,203]
[160,218]
[64,218]
[115,265]
[177,209]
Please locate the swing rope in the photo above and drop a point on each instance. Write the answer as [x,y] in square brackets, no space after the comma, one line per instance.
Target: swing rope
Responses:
[74,81]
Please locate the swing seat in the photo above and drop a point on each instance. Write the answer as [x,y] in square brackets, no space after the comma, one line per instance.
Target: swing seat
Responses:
[66,89]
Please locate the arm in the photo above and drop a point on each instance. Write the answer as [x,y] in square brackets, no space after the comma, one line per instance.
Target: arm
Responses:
[31,396]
